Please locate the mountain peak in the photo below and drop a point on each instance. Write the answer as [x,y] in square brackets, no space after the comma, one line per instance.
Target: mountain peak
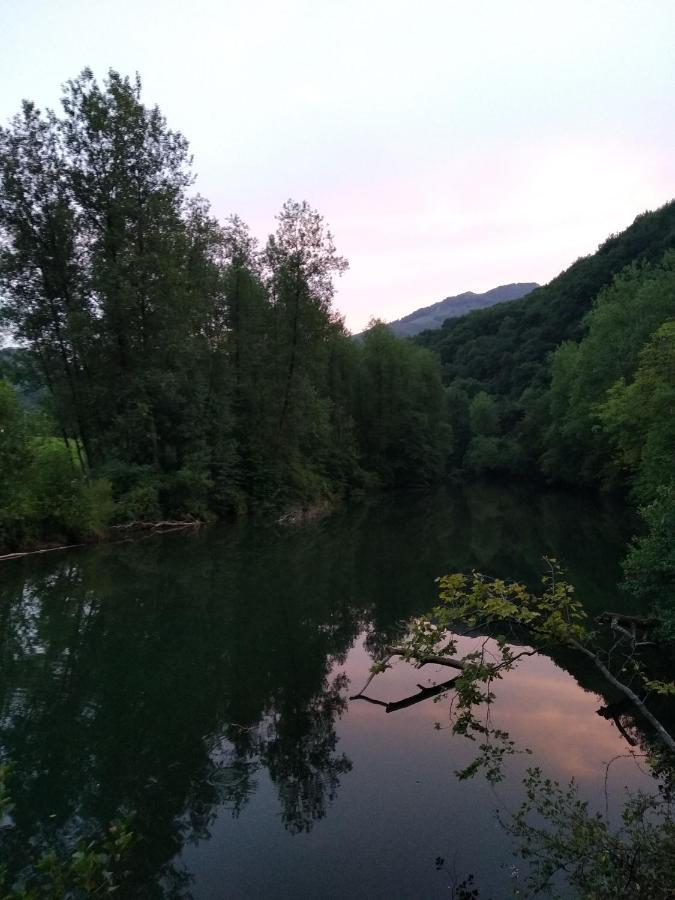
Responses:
[433,316]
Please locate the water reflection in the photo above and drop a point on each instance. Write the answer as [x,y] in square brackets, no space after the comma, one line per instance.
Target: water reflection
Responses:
[135,680]
[180,678]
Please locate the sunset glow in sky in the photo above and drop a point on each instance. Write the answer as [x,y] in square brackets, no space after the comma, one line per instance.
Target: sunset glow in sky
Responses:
[451,146]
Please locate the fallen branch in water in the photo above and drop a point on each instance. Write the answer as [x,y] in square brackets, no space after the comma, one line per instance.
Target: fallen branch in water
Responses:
[420,661]
[158,526]
[44,550]
[164,527]
[553,617]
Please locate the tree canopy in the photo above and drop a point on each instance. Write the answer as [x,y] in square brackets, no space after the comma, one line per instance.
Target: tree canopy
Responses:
[188,371]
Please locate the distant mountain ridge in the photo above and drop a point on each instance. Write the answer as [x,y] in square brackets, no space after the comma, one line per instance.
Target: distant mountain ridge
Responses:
[433,316]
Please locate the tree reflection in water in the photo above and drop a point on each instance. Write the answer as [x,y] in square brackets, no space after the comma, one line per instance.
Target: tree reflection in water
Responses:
[120,695]
[167,678]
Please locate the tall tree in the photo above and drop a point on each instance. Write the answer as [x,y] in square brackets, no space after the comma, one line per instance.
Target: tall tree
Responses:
[42,273]
[127,173]
[111,275]
[300,264]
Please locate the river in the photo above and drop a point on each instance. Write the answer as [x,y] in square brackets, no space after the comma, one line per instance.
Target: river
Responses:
[200,683]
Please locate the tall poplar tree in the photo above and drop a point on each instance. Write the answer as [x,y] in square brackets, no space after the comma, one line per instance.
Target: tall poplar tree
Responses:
[300,264]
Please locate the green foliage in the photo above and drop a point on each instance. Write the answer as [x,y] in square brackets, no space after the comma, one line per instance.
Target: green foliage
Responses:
[622,320]
[401,410]
[64,501]
[197,372]
[44,494]
[91,868]
[547,361]
[135,491]
[554,614]
[488,451]
[650,564]
[492,454]
[140,503]
[639,417]
[557,833]
[15,460]
[458,415]
[484,415]
[185,493]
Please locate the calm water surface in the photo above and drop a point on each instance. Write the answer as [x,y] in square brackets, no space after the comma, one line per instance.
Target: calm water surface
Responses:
[202,682]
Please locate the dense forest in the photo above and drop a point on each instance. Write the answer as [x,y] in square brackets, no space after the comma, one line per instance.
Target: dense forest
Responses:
[167,366]
[175,367]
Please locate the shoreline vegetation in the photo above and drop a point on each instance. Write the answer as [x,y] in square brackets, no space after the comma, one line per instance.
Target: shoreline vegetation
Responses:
[293,517]
[296,515]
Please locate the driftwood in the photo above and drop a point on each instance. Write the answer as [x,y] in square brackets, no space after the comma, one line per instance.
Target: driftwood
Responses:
[303,515]
[158,526]
[150,527]
[424,692]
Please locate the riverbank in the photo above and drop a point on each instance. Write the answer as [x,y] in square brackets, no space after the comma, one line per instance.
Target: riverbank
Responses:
[299,514]
[294,516]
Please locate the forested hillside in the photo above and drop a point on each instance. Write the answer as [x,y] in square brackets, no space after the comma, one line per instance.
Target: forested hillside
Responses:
[576,383]
[508,362]
[505,349]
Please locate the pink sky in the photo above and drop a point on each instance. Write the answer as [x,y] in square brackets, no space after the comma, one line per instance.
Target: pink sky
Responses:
[450,146]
